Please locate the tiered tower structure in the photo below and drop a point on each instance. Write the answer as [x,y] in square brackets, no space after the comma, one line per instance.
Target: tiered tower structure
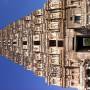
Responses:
[54,17]
[77,47]
[53,42]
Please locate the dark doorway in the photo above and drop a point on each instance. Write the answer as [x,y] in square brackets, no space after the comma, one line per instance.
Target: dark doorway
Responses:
[82,43]
[88,72]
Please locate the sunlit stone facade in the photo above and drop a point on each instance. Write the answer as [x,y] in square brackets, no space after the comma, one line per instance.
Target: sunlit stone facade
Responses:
[53,42]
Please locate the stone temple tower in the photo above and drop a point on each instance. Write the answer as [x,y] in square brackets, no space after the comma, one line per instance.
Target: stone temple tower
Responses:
[53,42]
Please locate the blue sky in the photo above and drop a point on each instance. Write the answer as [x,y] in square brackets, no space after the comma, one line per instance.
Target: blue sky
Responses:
[13,76]
[11,10]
